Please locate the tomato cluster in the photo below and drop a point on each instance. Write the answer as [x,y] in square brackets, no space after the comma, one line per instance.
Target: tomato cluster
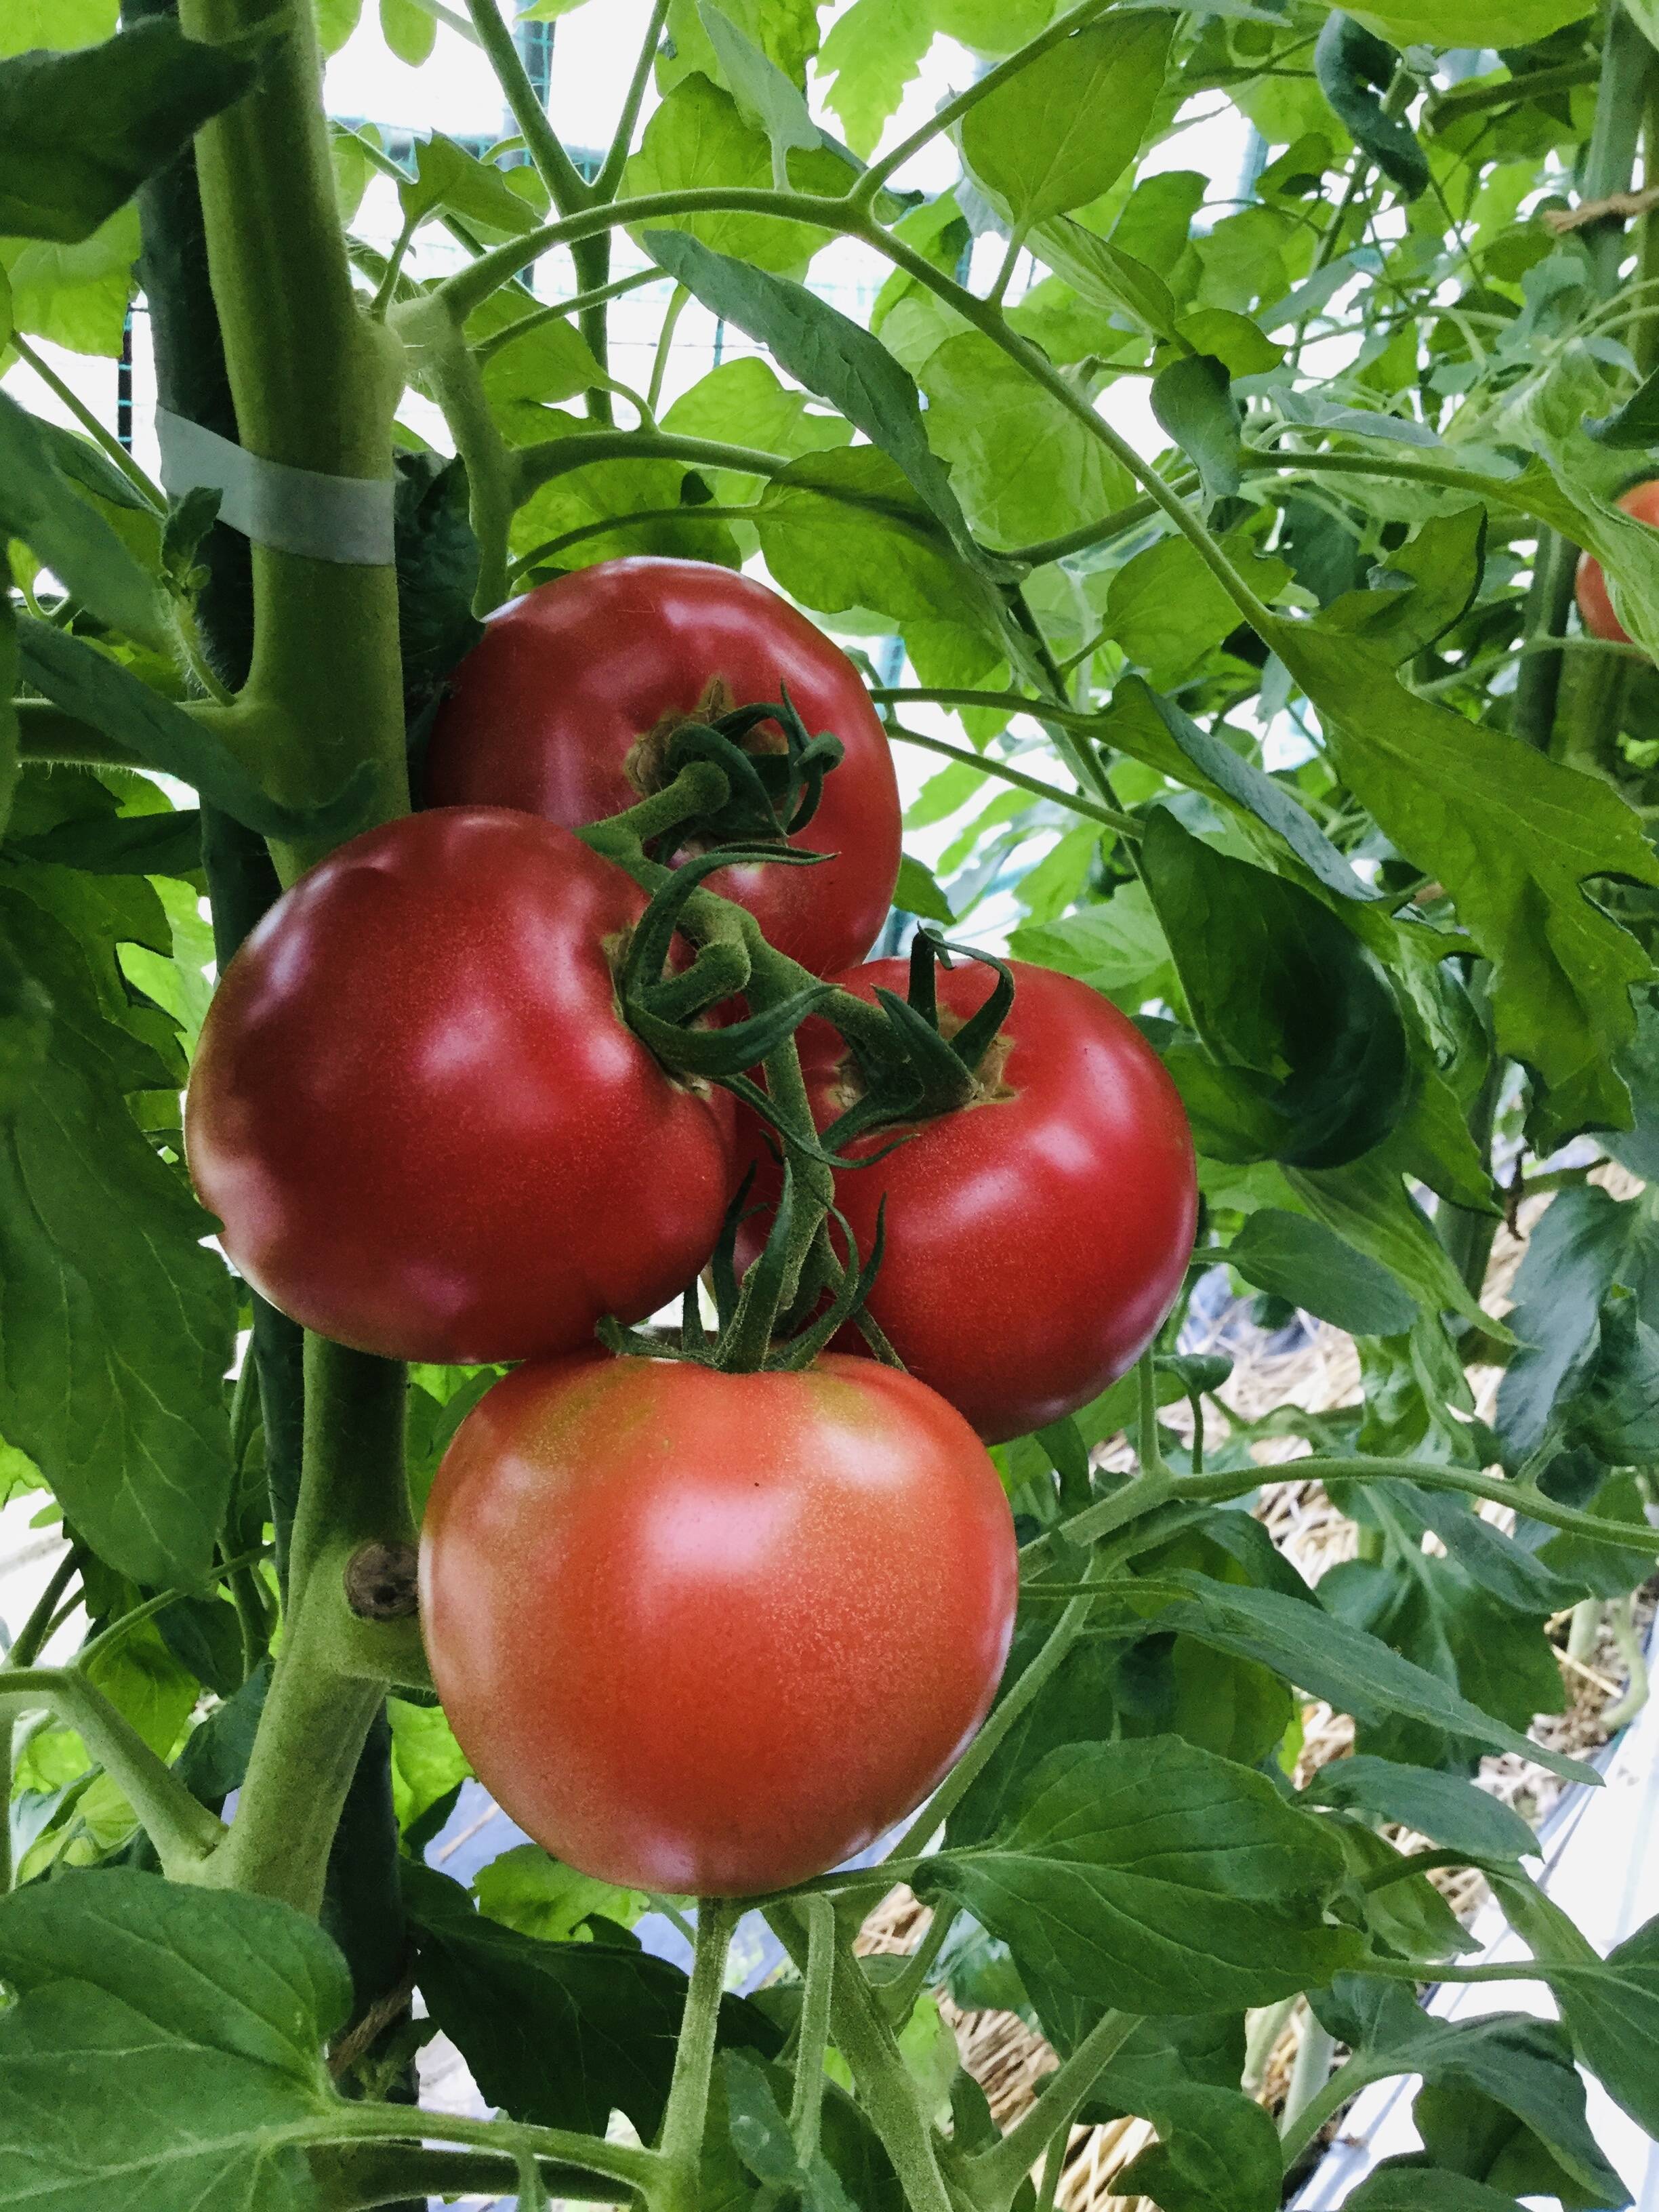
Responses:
[667,1607]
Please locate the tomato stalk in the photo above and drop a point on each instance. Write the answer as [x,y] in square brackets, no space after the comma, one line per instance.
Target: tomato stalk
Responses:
[866,2041]
[676,2186]
[806,2105]
[184,1832]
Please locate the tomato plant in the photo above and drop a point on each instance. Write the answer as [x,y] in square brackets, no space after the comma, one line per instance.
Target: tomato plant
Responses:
[685,1682]
[415,1109]
[554,709]
[1175,433]
[1034,1240]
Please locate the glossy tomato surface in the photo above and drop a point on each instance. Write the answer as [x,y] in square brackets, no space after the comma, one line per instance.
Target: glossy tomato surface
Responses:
[1594,601]
[418,1114]
[547,708]
[1034,1241]
[707,1633]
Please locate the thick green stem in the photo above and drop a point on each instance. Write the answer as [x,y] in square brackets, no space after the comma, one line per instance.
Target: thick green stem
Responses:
[184,1834]
[687,2113]
[332,1669]
[997,2172]
[1538,680]
[1627,65]
[806,2105]
[866,2042]
[315,383]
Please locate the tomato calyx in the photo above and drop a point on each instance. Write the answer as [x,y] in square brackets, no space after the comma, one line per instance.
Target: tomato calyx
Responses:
[931,1068]
[773,769]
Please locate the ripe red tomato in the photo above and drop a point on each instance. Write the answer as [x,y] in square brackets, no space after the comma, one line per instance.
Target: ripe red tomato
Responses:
[713,1633]
[547,707]
[1594,602]
[1034,1241]
[420,1116]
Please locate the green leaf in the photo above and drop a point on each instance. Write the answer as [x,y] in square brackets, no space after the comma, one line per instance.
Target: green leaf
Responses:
[1438,580]
[1228,773]
[743,403]
[1193,400]
[75,295]
[336,20]
[1331,1658]
[1633,426]
[1404,2185]
[80,133]
[1310,1267]
[1291,1005]
[1101,271]
[1442,1806]
[844,529]
[1367,1203]
[697,138]
[94,688]
[759,2134]
[524,1889]
[765,96]
[39,504]
[1612,2013]
[874,50]
[556,2033]
[1218,2151]
[408,30]
[1355,69]
[1484,1655]
[116,1326]
[1586,1243]
[1513,835]
[1468,22]
[1117,948]
[1157,1878]
[1240,344]
[822,348]
[55,23]
[190,2021]
[1061,132]
[447,176]
[917,892]
[785,31]
[1505,2063]
[1023,466]
[427,1762]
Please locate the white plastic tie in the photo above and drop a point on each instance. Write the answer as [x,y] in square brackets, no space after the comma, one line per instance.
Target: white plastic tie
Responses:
[321,517]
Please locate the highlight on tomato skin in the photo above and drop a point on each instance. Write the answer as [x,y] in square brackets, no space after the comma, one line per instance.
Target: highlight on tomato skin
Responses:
[711,1633]
[1595,607]
[1033,1242]
[545,712]
[420,1116]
